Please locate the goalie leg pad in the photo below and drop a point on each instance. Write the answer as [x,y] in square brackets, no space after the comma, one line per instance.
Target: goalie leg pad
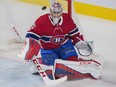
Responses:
[62,70]
[77,69]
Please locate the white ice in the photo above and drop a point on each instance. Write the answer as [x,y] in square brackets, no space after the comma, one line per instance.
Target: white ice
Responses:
[14,72]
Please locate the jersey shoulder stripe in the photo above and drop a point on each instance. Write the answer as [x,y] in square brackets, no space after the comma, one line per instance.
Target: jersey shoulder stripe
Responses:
[73,32]
[33,35]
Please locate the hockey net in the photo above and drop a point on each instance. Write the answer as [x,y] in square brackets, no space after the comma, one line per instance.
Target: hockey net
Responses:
[21,14]
[18,16]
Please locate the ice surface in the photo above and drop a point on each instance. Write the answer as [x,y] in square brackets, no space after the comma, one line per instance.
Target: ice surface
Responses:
[14,72]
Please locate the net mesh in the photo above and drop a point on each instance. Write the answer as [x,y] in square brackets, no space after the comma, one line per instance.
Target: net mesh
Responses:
[21,14]
[47,2]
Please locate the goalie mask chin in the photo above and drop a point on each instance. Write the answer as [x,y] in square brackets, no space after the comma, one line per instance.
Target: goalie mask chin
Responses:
[55,12]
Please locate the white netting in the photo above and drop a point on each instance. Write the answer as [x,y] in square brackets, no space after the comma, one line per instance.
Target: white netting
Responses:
[11,44]
[21,16]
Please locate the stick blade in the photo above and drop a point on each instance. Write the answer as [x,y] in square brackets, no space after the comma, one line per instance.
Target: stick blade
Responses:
[57,81]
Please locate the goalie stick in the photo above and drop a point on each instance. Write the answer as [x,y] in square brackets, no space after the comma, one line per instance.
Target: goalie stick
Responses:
[44,75]
[15,30]
[18,35]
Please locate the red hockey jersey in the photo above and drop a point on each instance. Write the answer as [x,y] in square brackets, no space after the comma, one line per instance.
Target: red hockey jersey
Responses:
[53,36]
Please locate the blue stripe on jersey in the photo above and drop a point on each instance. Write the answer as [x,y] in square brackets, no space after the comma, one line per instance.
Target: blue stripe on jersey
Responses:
[45,38]
[37,37]
[32,35]
[73,32]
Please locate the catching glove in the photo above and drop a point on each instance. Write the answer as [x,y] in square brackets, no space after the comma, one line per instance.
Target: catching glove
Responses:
[84,48]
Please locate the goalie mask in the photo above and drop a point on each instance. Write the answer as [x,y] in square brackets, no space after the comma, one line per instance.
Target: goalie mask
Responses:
[56,12]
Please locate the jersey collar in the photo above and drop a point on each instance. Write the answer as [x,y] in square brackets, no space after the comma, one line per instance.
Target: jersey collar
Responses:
[60,21]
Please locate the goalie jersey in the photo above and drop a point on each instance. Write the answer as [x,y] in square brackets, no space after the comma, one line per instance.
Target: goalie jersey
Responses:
[53,36]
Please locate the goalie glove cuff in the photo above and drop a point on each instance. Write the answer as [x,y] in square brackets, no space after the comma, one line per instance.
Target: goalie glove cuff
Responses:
[81,45]
[84,48]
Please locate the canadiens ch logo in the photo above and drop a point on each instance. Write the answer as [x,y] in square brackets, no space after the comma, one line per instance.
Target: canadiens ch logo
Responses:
[57,39]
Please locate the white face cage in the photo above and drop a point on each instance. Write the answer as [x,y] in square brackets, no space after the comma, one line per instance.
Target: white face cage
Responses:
[56,12]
